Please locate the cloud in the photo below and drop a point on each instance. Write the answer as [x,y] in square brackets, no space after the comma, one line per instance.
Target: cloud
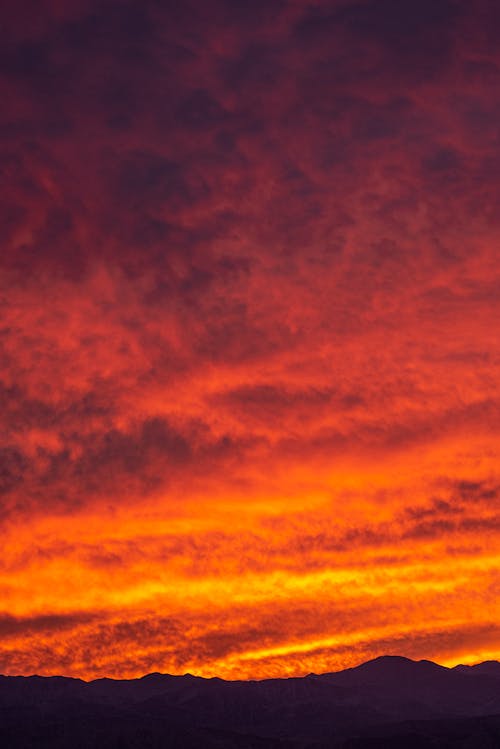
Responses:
[248,293]
[15,627]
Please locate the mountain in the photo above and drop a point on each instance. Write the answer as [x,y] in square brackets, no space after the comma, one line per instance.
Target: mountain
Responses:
[489,668]
[387,702]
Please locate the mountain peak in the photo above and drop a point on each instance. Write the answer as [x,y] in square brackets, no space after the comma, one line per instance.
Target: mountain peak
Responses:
[391,672]
[398,663]
[486,668]
[387,659]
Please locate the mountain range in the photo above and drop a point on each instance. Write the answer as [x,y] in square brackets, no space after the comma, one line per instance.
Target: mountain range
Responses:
[387,702]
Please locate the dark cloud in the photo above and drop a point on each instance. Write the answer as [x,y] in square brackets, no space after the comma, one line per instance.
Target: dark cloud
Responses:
[144,179]
[274,404]
[116,464]
[415,40]
[13,466]
[399,24]
[50,624]
[200,111]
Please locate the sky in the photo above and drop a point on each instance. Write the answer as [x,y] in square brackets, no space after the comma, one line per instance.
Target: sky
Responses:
[249,335]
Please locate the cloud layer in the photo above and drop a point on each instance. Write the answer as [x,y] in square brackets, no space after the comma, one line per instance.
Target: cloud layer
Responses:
[249,303]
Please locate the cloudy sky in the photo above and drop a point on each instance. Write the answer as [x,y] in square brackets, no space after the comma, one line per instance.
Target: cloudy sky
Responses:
[249,335]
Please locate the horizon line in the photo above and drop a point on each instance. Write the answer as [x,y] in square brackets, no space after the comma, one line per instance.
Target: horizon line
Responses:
[268,678]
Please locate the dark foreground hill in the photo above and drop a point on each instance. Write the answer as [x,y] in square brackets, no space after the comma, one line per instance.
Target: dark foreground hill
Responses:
[390,702]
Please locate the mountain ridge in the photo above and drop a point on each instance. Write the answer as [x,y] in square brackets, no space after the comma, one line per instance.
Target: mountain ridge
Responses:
[387,699]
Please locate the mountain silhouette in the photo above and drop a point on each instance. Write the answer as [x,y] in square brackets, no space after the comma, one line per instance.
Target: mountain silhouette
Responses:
[490,668]
[390,701]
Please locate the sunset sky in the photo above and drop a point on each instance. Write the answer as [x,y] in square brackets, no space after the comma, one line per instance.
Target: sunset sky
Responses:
[250,322]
